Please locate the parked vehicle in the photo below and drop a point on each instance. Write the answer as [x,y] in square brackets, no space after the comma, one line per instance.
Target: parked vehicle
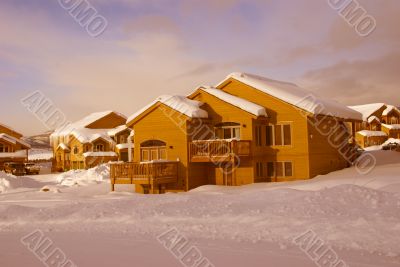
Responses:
[32,168]
[15,168]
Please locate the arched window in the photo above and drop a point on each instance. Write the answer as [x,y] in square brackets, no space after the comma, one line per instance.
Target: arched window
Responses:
[227,130]
[153,150]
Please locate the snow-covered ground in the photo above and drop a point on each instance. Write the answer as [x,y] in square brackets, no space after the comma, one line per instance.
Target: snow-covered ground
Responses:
[358,216]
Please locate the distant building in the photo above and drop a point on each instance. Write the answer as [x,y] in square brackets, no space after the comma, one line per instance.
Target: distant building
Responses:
[12,147]
[98,138]
[380,122]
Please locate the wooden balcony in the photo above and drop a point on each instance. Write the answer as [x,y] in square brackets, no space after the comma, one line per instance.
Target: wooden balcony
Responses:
[218,150]
[151,174]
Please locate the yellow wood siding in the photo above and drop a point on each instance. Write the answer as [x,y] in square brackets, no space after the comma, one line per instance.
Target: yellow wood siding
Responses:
[162,124]
[278,112]
[110,121]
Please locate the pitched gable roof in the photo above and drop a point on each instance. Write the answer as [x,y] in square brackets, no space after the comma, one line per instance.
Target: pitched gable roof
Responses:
[390,108]
[294,95]
[241,103]
[80,131]
[368,109]
[11,129]
[188,107]
[12,140]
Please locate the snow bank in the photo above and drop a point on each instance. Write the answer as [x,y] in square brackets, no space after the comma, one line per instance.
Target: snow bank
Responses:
[6,181]
[98,174]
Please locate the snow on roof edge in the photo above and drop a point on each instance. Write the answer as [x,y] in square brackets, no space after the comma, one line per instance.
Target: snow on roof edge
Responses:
[295,95]
[188,107]
[236,101]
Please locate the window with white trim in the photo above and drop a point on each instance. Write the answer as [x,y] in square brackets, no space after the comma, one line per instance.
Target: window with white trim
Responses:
[278,135]
[227,130]
[99,148]
[279,169]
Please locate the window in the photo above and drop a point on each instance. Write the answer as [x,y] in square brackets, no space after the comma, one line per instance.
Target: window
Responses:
[76,150]
[99,148]
[153,150]
[258,136]
[287,135]
[270,169]
[269,135]
[280,169]
[279,135]
[86,148]
[288,169]
[227,130]
[145,155]
[393,120]
[5,148]
[259,169]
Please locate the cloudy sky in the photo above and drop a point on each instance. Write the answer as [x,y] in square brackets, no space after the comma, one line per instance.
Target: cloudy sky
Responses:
[154,47]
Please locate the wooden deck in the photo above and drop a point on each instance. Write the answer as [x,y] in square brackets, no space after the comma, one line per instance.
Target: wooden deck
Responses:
[218,150]
[151,174]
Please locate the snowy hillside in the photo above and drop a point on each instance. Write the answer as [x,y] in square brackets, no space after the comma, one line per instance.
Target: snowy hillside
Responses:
[41,141]
[358,216]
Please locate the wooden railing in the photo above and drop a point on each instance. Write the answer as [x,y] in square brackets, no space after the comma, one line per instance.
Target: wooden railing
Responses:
[144,173]
[218,150]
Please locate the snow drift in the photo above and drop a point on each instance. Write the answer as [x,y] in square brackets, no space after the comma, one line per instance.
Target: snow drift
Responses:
[7,181]
[98,174]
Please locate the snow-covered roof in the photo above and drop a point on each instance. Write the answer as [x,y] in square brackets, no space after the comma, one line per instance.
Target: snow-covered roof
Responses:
[85,135]
[390,108]
[9,128]
[295,95]
[190,108]
[13,140]
[16,154]
[63,147]
[391,140]
[241,103]
[100,154]
[391,126]
[117,130]
[368,109]
[83,123]
[372,118]
[372,133]
[92,118]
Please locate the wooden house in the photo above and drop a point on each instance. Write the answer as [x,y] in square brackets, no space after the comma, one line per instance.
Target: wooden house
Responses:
[247,129]
[366,138]
[12,147]
[90,141]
